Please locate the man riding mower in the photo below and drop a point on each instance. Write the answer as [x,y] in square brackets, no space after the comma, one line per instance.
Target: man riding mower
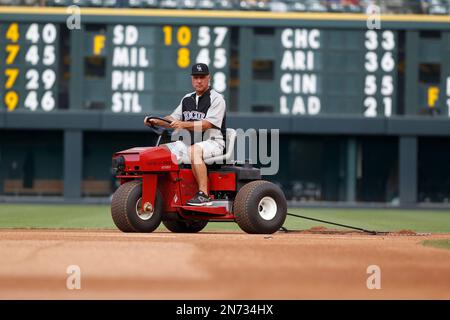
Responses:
[155,188]
[185,184]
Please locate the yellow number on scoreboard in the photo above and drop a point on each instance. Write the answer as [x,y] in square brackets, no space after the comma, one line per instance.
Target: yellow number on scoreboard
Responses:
[12,50]
[11,74]
[11,100]
[13,32]
[167,35]
[183,58]
[184,36]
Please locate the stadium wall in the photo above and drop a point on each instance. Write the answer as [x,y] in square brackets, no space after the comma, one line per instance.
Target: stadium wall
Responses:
[339,155]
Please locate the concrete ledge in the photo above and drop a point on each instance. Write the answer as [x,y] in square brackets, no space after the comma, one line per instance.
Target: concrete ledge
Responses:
[320,125]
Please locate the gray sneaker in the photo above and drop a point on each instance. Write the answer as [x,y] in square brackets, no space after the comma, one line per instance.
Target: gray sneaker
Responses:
[200,199]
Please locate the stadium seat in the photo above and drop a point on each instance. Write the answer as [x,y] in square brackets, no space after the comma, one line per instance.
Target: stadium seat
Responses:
[58,3]
[279,6]
[315,6]
[245,5]
[134,3]
[81,3]
[437,7]
[256,5]
[150,3]
[296,6]
[263,5]
[142,3]
[48,3]
[30,2]
[335,6]
[95,3]
[225,5]
[110,3]
[7,2]
[434,7]
[205,4]
[352,6]
[395,6]
[187,4]
[168,4]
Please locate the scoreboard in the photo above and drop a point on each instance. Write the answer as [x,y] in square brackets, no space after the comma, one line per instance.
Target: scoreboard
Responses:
[142,65]
[337,71]
[29,68]
[150,65]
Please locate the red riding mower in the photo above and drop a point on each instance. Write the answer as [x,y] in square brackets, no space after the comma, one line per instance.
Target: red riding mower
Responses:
[155,188]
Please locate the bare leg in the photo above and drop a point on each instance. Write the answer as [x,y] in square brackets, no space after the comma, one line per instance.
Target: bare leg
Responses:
[199,167]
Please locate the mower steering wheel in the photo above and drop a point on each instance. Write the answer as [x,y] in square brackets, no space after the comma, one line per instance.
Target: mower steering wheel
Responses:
[157,129]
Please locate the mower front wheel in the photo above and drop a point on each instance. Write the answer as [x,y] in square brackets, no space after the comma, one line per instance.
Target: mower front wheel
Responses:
[185,226]
[260,207]
[127,210]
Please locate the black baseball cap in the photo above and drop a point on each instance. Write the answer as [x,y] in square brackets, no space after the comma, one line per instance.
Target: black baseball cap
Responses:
[199,69]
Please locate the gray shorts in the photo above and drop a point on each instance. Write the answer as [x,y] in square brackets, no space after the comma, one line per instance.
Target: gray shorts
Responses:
[211,148]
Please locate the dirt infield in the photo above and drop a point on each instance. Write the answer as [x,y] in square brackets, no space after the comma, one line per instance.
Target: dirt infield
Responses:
[219,265]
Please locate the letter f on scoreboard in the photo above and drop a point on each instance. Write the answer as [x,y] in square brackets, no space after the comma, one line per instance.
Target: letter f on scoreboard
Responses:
[99,44]
[433,96]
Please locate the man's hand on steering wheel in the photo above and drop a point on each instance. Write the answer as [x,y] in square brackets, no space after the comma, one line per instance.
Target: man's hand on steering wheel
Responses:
[177,124]
[153,121]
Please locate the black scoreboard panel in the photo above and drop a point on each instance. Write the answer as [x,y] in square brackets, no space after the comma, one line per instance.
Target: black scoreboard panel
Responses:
[148,67]
[320,71]
[324,71]
[143,67]
[29,69]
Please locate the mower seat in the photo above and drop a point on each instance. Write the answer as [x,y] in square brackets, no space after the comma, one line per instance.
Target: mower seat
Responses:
[230,140]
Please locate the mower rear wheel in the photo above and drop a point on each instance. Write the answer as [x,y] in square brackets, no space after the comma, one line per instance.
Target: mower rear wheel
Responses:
[260,207]
[127,211]
[185,226]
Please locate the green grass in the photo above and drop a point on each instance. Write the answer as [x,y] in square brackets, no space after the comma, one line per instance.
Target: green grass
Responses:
[98,216]
[376,219]
[441,243]
[54,216]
